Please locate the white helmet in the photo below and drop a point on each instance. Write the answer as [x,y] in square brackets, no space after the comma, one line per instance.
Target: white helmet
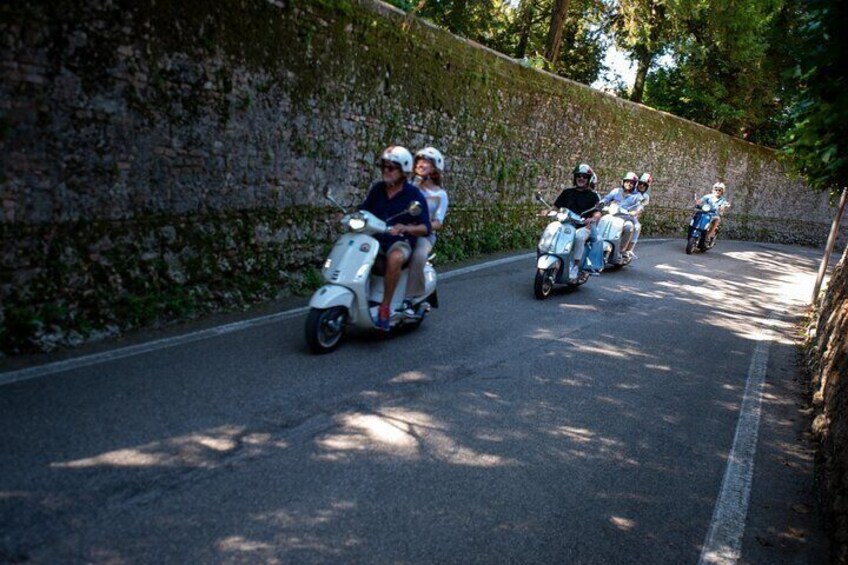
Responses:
[434,156]
[399,156]
[719,185]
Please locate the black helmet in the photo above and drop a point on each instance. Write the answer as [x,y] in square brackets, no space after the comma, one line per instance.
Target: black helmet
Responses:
[584,170]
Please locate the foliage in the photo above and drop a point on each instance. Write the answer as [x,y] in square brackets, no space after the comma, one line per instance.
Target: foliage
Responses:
[727,70]
[520,30]
[818,139]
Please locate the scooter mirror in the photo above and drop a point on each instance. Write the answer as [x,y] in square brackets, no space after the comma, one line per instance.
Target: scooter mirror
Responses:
[541,199]
[414,209]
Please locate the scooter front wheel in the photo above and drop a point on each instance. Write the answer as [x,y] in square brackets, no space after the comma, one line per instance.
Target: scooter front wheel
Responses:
[544,283]
[690,245]
[325,329]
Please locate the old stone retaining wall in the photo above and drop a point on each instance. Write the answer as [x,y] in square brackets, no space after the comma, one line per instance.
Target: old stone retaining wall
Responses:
[827,356]
[160,159]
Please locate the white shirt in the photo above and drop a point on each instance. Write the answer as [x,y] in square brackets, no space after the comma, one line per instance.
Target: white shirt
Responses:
[437,203]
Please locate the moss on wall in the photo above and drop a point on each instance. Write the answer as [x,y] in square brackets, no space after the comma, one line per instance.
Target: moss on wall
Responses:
[148,146]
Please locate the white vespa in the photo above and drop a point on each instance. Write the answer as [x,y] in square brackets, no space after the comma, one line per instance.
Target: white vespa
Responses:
[555,252]
[354,288]
[610,230]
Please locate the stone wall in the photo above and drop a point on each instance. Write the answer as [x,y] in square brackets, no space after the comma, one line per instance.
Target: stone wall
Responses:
[161,159]
[827,355]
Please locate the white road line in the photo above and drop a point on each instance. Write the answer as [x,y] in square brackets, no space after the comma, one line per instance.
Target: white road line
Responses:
[723,544]
[19,375]
[165,343]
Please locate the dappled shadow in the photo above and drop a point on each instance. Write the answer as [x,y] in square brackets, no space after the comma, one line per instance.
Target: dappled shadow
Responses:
[576,443]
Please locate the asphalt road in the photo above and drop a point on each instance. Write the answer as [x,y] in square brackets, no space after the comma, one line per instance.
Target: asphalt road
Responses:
[593,427]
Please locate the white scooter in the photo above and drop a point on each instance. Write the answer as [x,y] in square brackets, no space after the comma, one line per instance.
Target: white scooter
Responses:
[354,288]
[555,252]
[610,230]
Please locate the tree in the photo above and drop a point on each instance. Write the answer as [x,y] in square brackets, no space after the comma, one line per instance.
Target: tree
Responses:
[645,29]
[818,141]
[526,11]
[727,66]
[554,41]
[567,33]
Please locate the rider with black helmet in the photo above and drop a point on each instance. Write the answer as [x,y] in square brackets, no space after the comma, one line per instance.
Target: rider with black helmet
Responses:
[581,199]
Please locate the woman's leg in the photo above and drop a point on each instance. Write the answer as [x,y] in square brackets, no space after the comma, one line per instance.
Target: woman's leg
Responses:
[637,229]
[415,278]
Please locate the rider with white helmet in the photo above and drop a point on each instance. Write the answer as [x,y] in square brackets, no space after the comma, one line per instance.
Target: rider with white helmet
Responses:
[717,200]
[389,197]
[428,166]
[643,192]
[628,201]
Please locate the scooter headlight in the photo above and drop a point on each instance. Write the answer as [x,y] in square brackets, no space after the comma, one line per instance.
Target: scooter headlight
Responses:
[356,222]
[705,207]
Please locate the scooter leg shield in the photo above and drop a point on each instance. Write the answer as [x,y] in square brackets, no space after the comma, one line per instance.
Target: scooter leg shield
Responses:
[331,295]
[546,261]
[429,280]
[594,256]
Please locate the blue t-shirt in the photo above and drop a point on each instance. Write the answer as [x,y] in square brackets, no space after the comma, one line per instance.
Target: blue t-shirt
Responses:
[378,203]
[716,202]
[629,202]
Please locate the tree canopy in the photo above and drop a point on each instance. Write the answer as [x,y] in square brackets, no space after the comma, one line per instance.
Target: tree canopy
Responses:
[769,71]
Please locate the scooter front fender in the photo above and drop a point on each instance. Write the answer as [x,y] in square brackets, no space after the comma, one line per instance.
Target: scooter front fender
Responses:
[331,295]
[546,261]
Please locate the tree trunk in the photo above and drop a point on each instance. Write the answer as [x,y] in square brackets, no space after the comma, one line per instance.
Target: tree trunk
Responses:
[554,42]
[644,63]
[526,21]
[645,53]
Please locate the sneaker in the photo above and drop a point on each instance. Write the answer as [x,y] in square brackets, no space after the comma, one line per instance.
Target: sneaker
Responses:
[406,308]
[573,272]
[384,318]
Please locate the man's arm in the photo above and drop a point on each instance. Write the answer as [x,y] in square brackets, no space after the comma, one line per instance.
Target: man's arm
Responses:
[420,229]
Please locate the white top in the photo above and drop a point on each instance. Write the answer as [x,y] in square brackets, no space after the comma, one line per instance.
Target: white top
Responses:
[437,204]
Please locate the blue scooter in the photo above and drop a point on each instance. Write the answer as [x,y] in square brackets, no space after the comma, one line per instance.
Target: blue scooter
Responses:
[699,226]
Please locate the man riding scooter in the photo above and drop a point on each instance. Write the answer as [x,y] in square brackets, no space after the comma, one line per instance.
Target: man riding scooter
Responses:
[628,200]
[580,199]
[716,200]
[389,198]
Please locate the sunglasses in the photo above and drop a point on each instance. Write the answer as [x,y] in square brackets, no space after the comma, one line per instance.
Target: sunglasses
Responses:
[389,167]
[582,176]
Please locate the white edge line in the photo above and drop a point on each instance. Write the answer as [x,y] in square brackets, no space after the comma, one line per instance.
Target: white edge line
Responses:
[723,543]
[19,375]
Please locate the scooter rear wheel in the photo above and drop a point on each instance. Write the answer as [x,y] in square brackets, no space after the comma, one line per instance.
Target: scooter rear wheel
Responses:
[544,283]
[325,329]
